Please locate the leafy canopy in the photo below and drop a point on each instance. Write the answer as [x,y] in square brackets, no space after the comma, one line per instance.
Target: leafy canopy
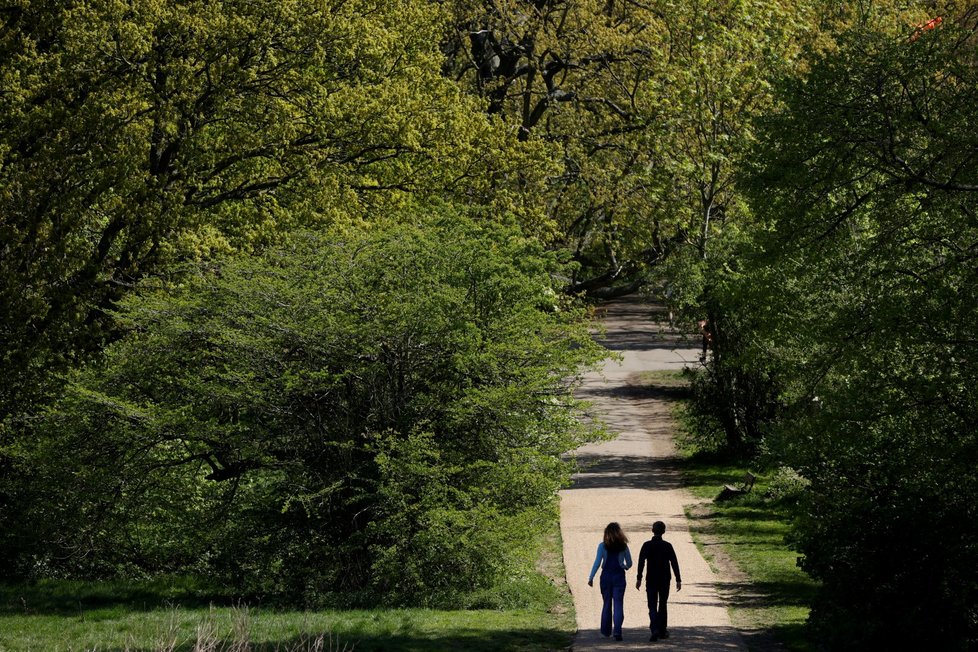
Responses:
[853,307]
[341,415]
[135,135]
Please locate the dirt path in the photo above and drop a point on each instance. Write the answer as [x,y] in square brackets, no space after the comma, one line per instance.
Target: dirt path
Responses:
[635,480]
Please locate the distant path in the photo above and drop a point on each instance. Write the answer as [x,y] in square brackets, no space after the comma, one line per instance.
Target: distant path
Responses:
[635,480]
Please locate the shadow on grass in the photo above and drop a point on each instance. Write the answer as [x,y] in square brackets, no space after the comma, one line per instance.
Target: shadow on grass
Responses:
[722,460]
[737,514]
[668,392]
[716,478]
[750,527]
[768,595]
[793,637]
[65,597]
[470,640]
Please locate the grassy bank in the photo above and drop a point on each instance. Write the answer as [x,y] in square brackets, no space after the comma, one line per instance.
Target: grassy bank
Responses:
[179,614]
[179,628]
[744,541]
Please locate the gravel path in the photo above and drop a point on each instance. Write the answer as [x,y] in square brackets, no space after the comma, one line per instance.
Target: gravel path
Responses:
[635,480]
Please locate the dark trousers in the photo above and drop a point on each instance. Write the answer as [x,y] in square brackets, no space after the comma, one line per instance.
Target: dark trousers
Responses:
[613,594]
[658,595]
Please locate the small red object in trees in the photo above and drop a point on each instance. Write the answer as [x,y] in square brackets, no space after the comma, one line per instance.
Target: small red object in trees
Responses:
[933,23]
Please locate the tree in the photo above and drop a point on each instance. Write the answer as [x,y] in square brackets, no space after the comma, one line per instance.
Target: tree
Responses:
[646,106]
[862,286]
[135,135]
[570,75]
[332,418]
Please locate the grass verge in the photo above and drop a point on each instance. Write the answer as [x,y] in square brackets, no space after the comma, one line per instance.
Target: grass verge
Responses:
[743,539]
[178,614]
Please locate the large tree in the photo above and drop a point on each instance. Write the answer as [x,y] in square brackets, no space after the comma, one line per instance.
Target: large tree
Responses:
[645,106]
[860,302]
[376,412]
[135,134]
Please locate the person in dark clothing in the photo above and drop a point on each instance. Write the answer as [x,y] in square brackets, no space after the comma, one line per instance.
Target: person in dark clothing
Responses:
[707,334]
[660,556]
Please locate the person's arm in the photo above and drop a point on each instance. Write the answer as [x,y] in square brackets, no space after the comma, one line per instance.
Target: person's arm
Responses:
[675,568]
[642,554]
[597,564]
[626,563]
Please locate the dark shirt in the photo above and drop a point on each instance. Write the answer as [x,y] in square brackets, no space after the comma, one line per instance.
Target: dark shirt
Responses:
[660,556]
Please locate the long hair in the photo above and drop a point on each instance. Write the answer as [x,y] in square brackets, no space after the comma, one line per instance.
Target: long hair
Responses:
[614,539]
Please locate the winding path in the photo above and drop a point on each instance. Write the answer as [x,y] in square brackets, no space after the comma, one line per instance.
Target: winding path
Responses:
[635,480]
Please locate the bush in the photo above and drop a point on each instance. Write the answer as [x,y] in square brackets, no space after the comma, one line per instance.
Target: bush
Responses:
[366,415]
[786,485]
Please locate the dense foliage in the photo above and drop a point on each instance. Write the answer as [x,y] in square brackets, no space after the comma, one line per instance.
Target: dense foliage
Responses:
[137,139]
[643,106]
[135,135]
[848,321]
[374,414]
[247,330]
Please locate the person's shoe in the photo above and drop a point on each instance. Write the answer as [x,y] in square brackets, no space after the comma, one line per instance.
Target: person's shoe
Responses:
[664,634]
[653,638]
[617,637]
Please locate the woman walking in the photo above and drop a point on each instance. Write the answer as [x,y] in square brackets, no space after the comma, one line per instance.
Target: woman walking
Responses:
[614,559]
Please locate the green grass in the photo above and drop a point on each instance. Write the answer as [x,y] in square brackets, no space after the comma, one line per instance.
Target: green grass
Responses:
[747,533]
[401,629]
[663,379]
[156,627]
[179,614]
[751,534]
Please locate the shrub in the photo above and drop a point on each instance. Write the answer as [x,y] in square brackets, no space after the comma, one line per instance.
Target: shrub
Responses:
[367,414]
[786,485]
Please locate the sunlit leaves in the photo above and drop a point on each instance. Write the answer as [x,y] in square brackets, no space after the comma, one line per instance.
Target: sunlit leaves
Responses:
[861,296]
[333,400]
[135,135]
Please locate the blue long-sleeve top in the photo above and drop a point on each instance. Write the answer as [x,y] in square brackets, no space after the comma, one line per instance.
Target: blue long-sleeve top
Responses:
[624,559]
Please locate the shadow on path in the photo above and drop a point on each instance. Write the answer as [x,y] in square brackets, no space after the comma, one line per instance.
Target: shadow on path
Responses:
[688,639]
[602,471]
[647,340]
[632,392]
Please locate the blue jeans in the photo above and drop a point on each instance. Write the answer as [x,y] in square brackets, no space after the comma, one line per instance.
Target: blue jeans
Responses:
[613,593]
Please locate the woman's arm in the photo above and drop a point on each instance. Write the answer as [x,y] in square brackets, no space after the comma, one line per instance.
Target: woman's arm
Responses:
[626,558]
[597,563]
